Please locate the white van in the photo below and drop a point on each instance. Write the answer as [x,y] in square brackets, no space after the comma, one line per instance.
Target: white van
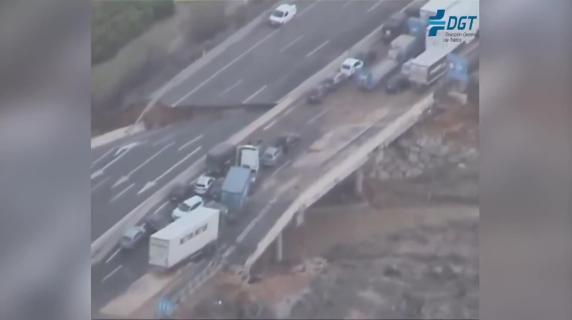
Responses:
[249,157]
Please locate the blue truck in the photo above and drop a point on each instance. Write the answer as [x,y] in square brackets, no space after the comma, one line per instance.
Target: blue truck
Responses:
[235,189]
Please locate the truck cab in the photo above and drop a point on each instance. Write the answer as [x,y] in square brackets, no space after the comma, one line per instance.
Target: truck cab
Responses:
[248,156]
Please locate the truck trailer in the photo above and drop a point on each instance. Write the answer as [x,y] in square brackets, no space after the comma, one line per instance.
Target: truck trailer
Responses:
[402,48]
[220,158]
[235,189]
[185,237]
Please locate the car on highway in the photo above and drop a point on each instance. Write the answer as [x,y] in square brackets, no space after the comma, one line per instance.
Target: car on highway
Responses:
[187,206]
[316,95]
[396,84]
[350,66]
[282,14]
[157,221]
[287,141]
[271,156]
[180,192]
[216,189]
[203,184]
[132,236]
[395,26]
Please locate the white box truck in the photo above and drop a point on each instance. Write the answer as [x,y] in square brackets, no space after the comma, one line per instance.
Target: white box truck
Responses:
[248,156]
[185,237]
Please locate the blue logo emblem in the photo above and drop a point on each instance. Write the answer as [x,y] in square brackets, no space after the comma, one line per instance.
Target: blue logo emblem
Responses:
[438,22]
[165,307]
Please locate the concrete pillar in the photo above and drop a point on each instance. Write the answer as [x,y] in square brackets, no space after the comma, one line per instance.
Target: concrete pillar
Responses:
[300,217]
[280,247]
[359,178]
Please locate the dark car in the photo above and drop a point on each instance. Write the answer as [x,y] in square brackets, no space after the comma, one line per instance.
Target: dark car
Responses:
[157,221]
[180,192]
[395,26]
[328,84]
[316,95]
[412,10]
[396,84]
[287,141]
[216,189]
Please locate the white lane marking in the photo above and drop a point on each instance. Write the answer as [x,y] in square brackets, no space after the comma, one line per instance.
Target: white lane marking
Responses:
[377,4]
[255,94]
[308,8]
[112,273]
[212,76]
[100,183]
[347,3]
[113,255]
[317,48]
[284,165]
[316,117]
[155,155]
[100,171]
[264,210]
[268,126]
[288,111]
[101,157]
[190,142]
[163,140]
[120,194]
[227,90]
[292,43]
[152,183]
[228,252]
[161,207]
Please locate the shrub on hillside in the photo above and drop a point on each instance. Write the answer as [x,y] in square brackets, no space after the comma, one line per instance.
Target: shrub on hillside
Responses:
[207,19]
[115,23]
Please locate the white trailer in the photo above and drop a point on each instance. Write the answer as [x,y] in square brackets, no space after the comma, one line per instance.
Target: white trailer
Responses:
[427,67]
[184,237]
[248,156]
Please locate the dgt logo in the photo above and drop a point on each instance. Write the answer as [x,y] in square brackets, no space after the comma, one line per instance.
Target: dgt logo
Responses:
[454,23]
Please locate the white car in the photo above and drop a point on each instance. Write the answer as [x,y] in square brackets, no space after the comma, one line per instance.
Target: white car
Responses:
[350,66]
[187,207]
[203,184]
[282,14]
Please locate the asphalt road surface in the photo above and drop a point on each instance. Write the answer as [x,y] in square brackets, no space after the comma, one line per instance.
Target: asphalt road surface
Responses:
[276,188]
[267,64]
[273,59]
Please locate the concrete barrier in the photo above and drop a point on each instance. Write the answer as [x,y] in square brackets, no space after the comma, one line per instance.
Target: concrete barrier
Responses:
[115,135]
[342,171]
[105,243]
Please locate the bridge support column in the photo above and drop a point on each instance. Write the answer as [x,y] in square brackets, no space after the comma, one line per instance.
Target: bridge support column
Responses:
[280,247]
[359,178]
[300,217]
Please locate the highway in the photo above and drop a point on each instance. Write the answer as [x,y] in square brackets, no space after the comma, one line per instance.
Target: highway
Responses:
[329,134]
[263,67]
[274,59]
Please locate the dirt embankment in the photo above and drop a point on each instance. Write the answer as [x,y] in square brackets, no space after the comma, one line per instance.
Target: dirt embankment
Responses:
[408,250]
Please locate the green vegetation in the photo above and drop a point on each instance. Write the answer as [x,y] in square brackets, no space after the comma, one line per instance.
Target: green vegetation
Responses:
[208,19]
[115,23]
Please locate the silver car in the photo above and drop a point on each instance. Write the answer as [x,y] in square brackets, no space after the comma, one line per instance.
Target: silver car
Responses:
[271,156]
[132,237]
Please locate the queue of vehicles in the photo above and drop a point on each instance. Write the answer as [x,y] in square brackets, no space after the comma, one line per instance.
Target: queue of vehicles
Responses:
[220,195]
[202,208]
